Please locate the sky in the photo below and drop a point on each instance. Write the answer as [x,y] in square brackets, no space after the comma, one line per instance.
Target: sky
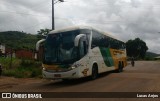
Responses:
[124,19]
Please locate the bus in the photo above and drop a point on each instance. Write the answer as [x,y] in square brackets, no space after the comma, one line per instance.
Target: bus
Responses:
[80,52]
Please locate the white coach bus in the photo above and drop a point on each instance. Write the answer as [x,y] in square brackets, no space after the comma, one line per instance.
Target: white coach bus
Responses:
[80,52]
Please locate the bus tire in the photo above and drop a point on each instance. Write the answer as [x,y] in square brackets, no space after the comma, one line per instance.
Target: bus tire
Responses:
[94,72]
[120,68]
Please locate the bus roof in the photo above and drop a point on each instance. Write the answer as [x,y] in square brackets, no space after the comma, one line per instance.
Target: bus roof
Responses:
[82,27]
[69,29]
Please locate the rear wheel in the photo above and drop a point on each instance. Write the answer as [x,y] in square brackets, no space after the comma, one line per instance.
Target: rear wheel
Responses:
[94,72]
[120,68]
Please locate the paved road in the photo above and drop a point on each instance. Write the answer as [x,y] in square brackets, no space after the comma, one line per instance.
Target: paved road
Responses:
[144,77]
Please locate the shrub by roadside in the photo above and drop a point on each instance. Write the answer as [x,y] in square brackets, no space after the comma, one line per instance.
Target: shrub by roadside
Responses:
[21,68]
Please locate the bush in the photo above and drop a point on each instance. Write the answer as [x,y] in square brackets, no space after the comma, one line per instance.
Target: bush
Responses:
[23,72]
[8,72]
[6,62]
[148,58]
[27,63]
[21,68]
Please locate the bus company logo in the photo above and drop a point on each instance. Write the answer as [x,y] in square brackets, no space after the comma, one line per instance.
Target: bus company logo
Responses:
[85,71]
[6,95]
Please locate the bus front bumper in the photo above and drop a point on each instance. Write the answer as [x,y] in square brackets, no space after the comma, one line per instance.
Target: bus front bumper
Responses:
[72,74]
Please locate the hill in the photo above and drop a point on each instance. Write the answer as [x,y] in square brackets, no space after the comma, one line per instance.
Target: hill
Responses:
[151,54]
[18,40]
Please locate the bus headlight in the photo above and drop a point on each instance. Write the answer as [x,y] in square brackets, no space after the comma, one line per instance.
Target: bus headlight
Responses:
[44,69]
[76,65]
[73,67]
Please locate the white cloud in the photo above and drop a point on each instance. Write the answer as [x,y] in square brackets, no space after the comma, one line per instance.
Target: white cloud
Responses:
[125,19]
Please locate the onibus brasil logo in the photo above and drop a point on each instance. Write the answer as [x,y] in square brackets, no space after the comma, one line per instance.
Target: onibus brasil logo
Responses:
[19,95]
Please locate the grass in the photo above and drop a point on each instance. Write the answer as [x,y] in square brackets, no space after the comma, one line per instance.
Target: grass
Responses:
[21,68]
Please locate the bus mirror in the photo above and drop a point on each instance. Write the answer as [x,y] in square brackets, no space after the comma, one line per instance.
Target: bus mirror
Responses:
[38,44]
[77,38]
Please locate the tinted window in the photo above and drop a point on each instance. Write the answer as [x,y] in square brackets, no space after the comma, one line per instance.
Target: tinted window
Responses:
[100,40]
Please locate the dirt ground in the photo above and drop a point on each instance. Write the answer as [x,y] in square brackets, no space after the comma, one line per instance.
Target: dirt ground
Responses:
[144,77]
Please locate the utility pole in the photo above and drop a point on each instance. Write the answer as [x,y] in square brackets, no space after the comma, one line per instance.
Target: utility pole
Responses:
[53,27]
[52,14]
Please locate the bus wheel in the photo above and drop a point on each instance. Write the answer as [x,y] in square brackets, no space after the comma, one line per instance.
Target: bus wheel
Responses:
[120,68]
[94,72]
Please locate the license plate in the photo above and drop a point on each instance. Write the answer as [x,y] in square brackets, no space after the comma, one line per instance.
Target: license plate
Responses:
[57,75]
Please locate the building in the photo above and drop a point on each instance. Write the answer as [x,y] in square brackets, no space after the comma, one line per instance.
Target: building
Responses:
[21,53]
[2,49]
[24,54]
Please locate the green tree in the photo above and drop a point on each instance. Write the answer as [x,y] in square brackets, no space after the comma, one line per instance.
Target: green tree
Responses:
[136,48]
[18,40]
[44,31]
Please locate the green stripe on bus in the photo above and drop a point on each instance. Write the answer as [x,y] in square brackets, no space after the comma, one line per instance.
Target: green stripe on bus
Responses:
[108,60]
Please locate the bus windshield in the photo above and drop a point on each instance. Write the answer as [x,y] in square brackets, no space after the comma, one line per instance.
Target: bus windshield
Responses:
[60,49]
